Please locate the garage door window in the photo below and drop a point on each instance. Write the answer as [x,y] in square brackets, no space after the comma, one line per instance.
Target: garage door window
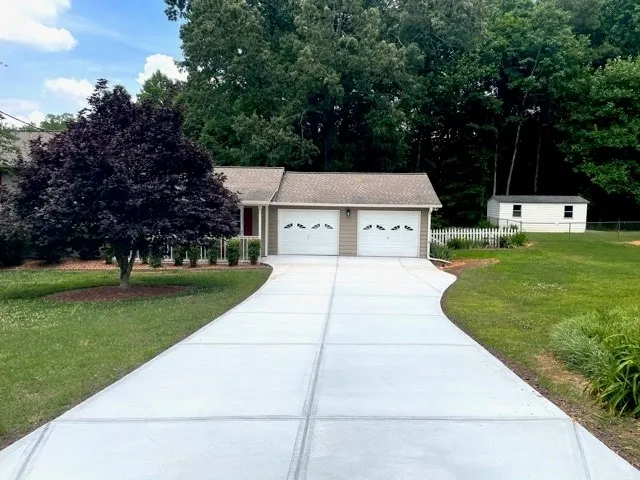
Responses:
[328,227]
[407,227]
[368,227]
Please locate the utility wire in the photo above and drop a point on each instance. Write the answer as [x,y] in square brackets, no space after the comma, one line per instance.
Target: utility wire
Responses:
[22,121]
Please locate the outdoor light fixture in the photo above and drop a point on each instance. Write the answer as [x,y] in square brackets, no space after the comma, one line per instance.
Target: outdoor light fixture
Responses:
[348,212]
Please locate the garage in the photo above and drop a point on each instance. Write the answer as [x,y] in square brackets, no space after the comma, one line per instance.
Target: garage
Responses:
[308,232]
[388,233]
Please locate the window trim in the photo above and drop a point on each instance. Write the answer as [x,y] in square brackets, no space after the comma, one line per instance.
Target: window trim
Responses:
[516,213]
[572,211]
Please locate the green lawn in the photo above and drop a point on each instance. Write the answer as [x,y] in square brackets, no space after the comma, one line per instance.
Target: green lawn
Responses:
[511,306]
[53,355]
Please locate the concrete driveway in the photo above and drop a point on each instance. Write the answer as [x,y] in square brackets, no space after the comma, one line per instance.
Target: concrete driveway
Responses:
[338,368]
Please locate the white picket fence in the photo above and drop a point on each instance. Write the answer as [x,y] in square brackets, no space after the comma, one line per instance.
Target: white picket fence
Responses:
[489,237]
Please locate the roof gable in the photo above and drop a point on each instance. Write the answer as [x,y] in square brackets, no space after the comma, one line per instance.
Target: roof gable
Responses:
[252,184]
[400,189]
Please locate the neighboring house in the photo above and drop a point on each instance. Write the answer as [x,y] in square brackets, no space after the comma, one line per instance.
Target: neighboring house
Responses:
[22,144]
[350,214]
[539,213]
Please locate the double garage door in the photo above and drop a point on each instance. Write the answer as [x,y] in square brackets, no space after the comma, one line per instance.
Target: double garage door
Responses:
[378,233]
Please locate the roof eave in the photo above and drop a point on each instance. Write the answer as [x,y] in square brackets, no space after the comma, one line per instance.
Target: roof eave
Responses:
[355,205]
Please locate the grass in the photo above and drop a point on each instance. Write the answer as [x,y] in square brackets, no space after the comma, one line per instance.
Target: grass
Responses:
[53,355]
[512,307]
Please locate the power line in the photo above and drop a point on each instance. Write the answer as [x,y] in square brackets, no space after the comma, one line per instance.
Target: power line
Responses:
[22,121]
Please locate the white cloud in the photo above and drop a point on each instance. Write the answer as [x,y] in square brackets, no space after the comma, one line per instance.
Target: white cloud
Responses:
[26,110]
[32,23]
[76,90]
[165,64]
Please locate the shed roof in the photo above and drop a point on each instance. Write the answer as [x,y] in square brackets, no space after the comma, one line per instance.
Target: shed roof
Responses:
[22,143]
[409,189]
[539,199]
[252,184]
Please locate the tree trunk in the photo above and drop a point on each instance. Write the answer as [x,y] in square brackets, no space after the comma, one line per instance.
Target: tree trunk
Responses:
[125,262]
[328,139]
[495,167]
[513,158]
[535,177]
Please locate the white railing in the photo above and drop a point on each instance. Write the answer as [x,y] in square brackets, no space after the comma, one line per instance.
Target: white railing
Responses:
[222,255]
[489,237]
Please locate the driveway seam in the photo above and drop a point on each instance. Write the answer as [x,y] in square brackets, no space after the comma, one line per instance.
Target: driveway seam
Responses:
[311,393]
[583,457]
[36,444]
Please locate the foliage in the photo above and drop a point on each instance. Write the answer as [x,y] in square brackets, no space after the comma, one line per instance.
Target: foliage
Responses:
[254,250]
[56,123]
[122,174]
[193,253]
[85,346]
[465,244]
[144,253]
[441,252]
[155,258]
[605,347]
[160,90]
[514,240]
[233,251]
[179,253]
[213,251]
[13,238]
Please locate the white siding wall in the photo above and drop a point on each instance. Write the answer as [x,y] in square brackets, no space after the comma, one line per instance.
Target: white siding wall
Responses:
[493,211]
[545,217]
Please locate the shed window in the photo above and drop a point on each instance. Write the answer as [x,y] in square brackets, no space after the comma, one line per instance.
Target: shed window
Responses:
[517,211]
[568,211]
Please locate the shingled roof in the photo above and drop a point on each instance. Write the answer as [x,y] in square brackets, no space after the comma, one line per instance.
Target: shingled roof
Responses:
[398,189]
[252,184]
[539,199]
[23,144]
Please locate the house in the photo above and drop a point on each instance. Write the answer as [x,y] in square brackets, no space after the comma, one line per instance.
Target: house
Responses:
[349,214]
[539,213]
[9,158]
[295,213]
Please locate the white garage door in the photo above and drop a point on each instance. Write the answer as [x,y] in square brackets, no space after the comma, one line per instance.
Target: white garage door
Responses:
[308,232]
[388,234]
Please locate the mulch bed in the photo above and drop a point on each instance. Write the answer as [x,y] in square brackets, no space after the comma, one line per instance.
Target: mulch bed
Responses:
[113,292]
[458,266]
[76,264]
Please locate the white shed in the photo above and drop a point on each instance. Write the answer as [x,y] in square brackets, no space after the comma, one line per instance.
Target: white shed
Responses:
[539,213]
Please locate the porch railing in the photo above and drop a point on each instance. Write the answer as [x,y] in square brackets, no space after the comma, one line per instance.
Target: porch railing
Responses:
[222,255]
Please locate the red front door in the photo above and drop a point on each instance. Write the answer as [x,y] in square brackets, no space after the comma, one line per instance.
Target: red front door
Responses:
[248,221]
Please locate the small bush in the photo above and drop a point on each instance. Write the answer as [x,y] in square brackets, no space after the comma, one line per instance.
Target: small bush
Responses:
[155,258]
[193,252]
[253,250]
[214,251]
[485,223]
[107,253]
[233,252]
[441,252]
[179,254]
[458,244]
[605,348]
[144,253]
[13,244]
[89,252]
[519,239]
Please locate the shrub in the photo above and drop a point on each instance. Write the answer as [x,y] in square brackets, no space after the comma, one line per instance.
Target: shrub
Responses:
[458,244]
[144,255]
[193,252]
[519,239]
[253,250]
[107,253]
[89,252]
[179,254]
[214,251]
[233,252]
[155,258]
[13,244]
[485,223]
[441,252]
[605,348]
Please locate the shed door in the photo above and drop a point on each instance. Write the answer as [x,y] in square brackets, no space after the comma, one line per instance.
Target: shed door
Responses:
[388,233]
[308,232]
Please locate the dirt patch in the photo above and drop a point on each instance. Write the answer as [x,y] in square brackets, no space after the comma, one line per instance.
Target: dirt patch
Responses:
[458,266]
[635,242]
[553,368]
[76,264]
[112,292]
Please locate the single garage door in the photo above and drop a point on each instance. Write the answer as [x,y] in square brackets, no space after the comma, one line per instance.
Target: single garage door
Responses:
[308,232]
[388,233]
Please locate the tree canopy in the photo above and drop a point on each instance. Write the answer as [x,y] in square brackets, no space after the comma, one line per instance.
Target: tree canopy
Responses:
[487,96]
[122,174]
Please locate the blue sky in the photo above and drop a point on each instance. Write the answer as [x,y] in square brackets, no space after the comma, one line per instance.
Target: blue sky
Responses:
[56,49]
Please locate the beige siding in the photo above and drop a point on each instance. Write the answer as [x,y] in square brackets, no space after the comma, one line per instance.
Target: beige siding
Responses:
[348,241]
